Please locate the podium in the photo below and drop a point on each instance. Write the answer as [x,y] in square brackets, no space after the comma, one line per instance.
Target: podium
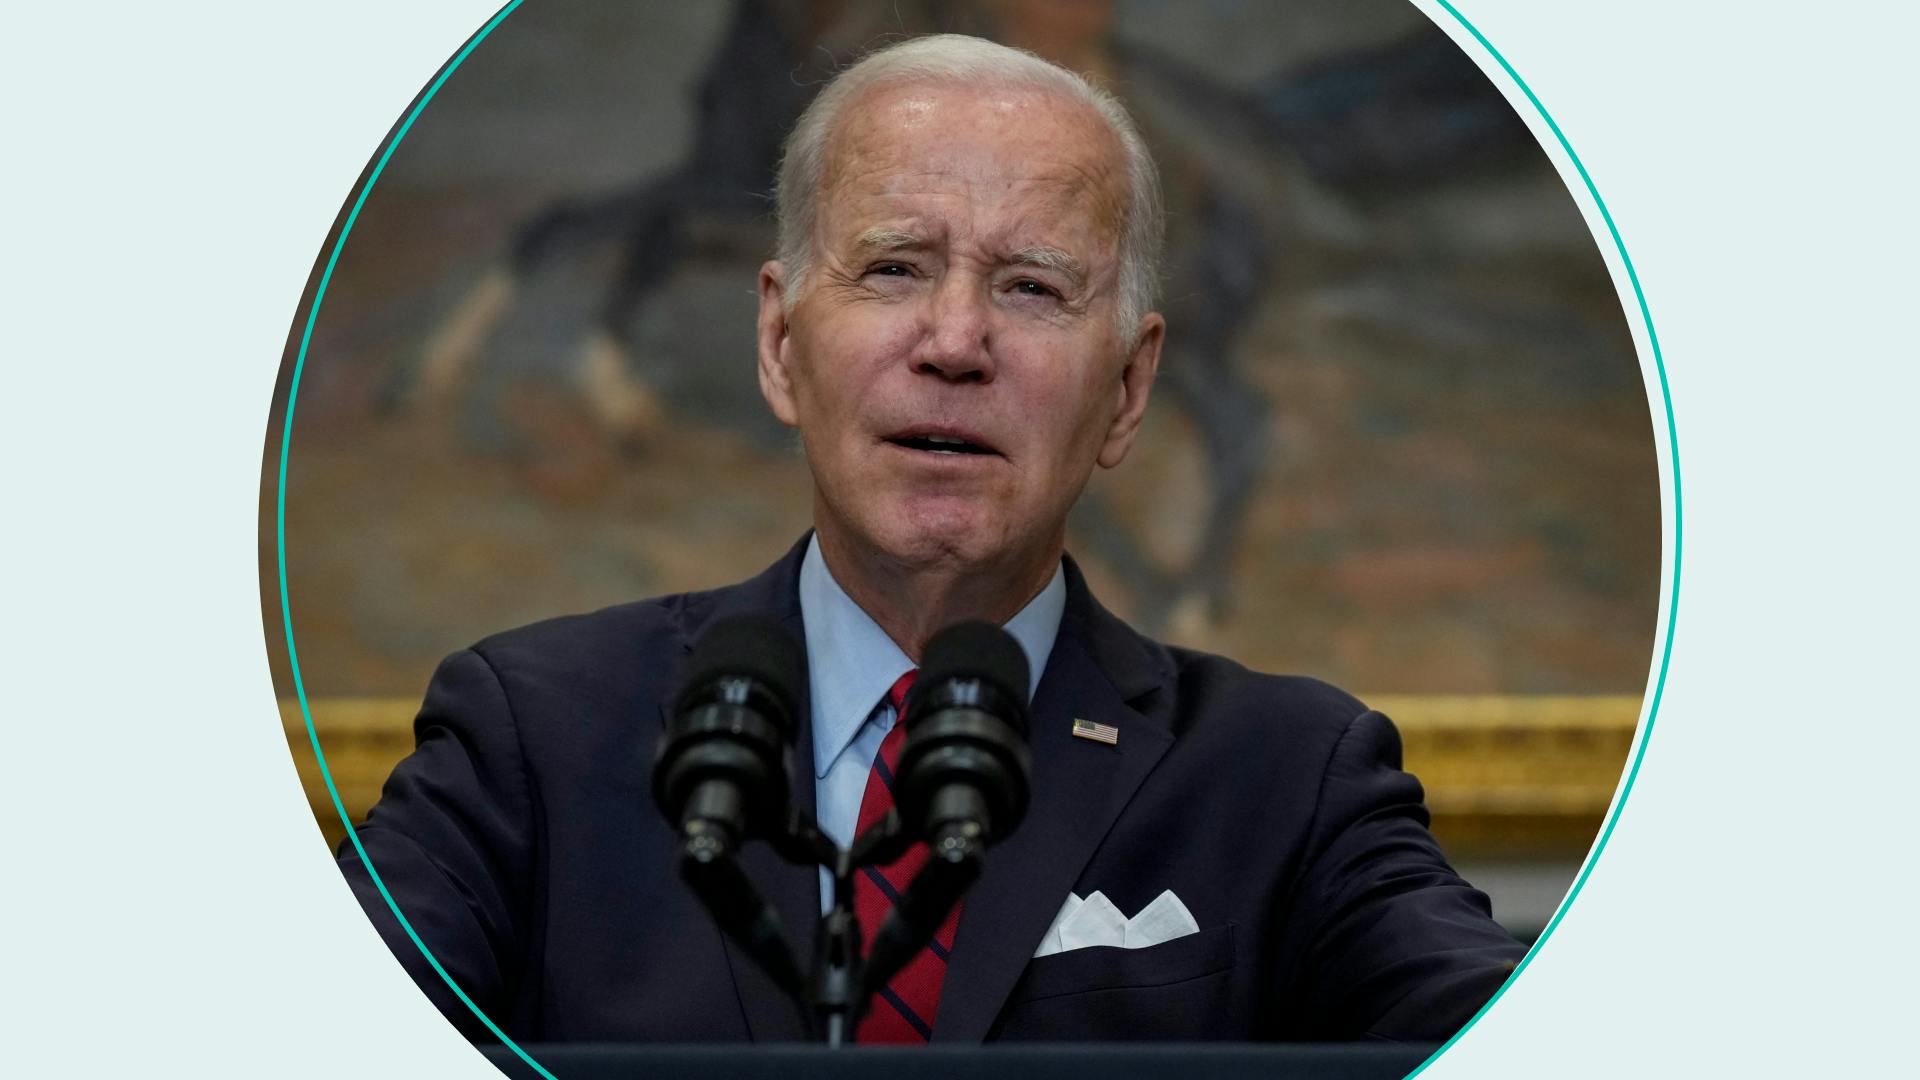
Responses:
[1030,1061]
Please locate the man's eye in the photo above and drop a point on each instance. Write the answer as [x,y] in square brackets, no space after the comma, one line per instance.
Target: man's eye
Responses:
[1030,287]
[890,270]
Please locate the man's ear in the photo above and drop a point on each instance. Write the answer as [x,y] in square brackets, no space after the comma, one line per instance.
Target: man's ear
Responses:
[1136,385]
[776,374]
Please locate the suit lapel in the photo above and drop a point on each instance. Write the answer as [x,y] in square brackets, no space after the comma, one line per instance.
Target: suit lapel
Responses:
[793,891]
[1100,671]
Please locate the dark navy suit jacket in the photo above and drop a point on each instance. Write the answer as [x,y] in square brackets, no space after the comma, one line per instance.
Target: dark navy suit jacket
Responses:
[521,841]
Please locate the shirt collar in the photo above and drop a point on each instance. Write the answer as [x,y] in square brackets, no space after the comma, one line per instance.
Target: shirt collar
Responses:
[851,662]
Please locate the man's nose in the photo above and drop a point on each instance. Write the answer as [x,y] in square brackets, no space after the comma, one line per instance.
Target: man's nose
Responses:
[957,342]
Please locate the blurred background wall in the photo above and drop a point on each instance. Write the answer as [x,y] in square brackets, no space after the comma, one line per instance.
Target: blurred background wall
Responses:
[1400,441]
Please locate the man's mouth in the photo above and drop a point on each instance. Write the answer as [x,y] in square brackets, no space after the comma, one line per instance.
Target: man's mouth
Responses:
[941,444]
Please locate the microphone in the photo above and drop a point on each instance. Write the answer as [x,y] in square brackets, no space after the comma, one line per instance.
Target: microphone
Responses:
[961,783]
[720,773]
[963,772]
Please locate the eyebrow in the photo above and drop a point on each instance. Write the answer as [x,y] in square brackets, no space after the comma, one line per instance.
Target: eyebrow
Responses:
[1049,258]
[883,239]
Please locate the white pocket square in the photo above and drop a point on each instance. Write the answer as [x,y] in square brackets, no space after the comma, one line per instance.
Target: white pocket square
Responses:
[1095,921]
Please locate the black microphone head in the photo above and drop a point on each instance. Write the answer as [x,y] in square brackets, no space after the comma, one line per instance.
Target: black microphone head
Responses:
[753,647]
[965,764]
[721,761]
[976,650]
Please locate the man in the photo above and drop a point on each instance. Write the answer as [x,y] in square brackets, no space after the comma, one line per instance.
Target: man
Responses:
[959,327]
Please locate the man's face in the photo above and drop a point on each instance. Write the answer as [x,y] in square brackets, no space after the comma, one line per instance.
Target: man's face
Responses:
[953,359]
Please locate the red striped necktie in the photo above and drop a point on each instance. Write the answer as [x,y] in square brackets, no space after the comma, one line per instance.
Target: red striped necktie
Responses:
[903,1011]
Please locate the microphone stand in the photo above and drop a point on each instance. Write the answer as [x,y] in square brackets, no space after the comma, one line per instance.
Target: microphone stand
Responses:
[708,866]
[827,1001]
[834,997]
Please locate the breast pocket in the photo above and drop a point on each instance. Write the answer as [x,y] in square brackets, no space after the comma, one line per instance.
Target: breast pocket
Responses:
[1178,989]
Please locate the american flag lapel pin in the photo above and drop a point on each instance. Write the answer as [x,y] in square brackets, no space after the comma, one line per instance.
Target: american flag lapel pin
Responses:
[1087,729]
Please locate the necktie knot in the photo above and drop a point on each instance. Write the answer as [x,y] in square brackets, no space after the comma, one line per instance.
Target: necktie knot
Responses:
[897,694]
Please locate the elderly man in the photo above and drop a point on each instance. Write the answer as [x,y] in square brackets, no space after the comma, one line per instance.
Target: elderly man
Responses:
[959,326]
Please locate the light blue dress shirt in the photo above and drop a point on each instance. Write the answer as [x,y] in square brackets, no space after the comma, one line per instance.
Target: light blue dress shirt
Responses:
[851,664]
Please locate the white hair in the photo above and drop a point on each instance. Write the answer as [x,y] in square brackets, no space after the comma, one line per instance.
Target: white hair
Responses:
[971,61]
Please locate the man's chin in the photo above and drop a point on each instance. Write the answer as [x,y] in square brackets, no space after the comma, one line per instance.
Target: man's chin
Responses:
[924,537]
[928,548]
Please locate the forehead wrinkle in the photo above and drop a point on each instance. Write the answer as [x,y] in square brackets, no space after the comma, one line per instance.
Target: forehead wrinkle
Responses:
[889,111]
[869,167]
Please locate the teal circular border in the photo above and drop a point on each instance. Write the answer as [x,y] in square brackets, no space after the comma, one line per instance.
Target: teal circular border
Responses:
[286,442]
